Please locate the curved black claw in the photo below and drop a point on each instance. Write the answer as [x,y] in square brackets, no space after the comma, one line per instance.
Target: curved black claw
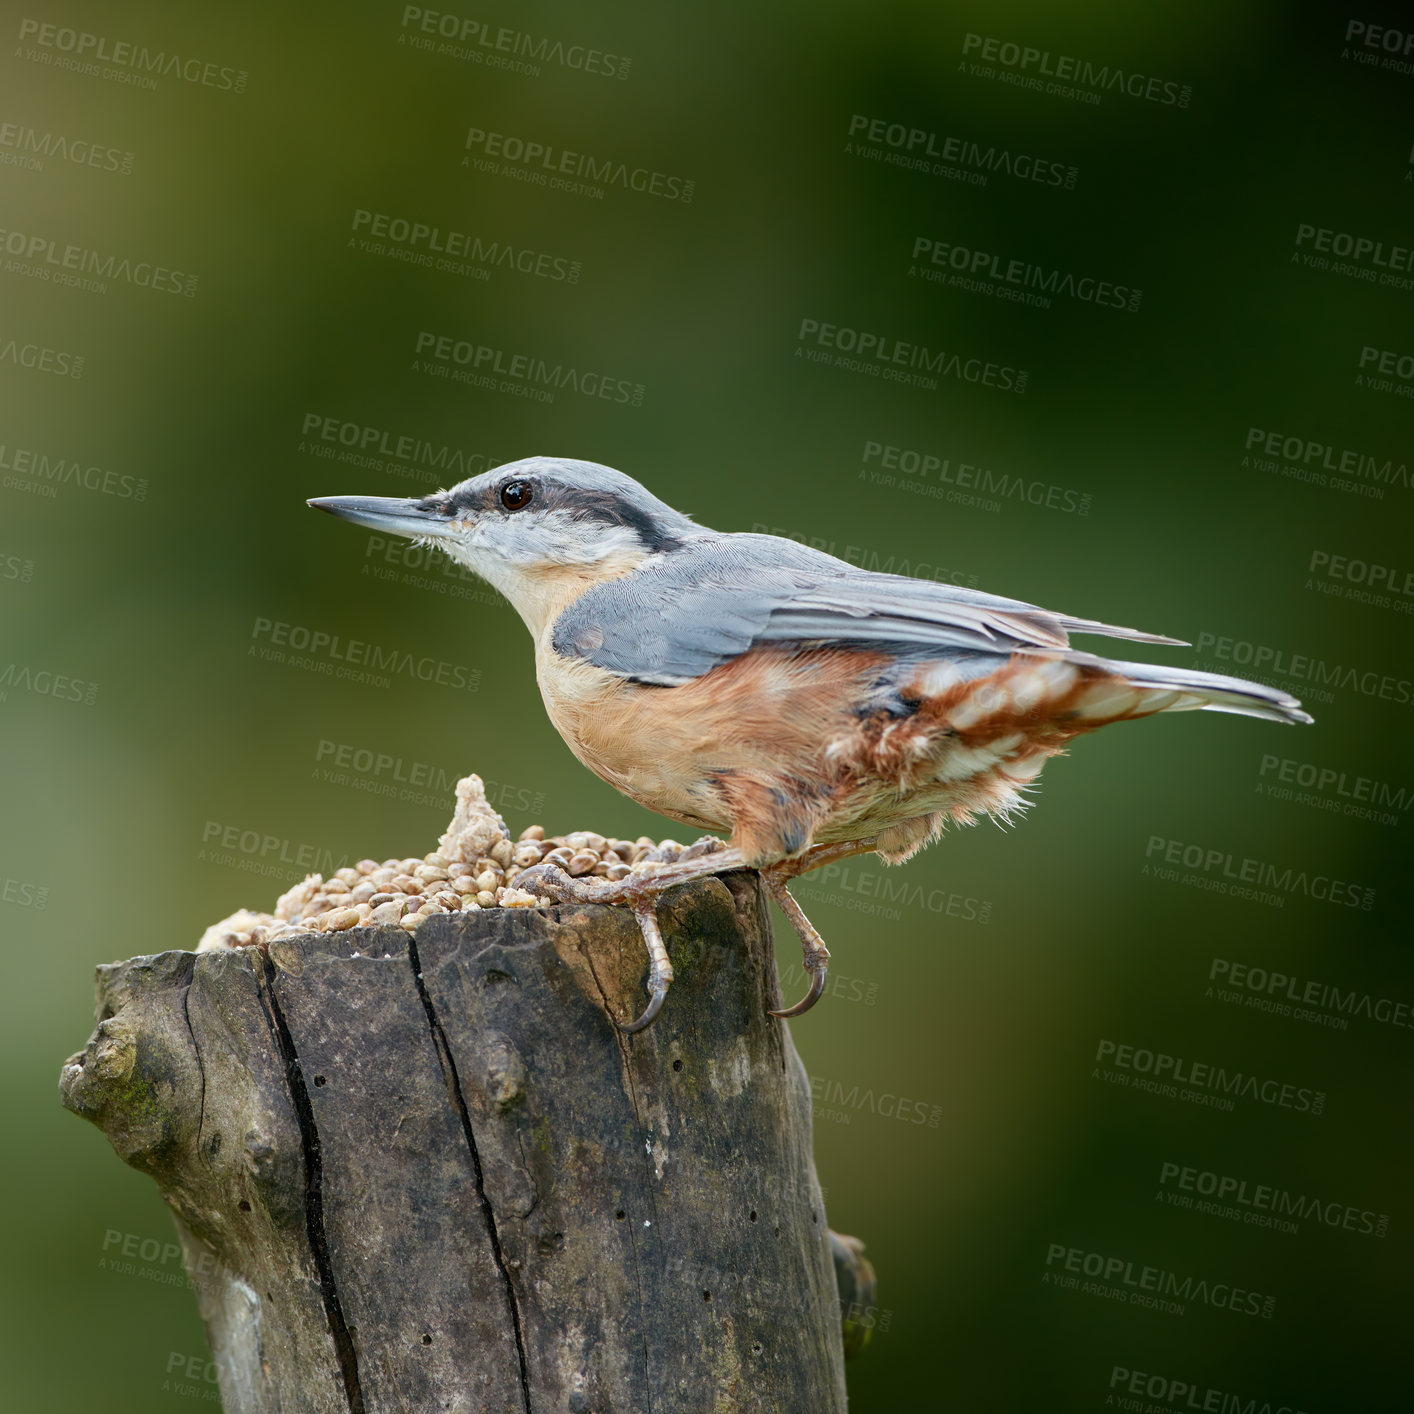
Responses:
[651,1011]
[817,990]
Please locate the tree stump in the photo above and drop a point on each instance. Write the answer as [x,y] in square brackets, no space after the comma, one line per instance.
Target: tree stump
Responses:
[428,1173]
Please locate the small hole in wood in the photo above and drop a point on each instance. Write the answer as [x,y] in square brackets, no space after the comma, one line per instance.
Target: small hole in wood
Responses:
[621,1215]
[753,1215]
[243,1206]
[677,1065]
[813,1218]
[706,1295]
[426,1339]
[319,1080]
[756,1347]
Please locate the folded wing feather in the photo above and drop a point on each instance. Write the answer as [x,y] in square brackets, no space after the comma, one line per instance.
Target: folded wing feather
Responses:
[687,612]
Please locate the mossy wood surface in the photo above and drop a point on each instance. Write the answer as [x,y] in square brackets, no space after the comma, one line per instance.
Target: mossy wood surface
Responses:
[431,1175]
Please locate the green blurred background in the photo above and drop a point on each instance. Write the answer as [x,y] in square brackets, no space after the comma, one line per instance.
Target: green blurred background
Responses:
[982,995]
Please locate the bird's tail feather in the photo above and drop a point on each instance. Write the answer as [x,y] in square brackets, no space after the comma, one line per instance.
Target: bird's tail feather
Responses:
[1210,692]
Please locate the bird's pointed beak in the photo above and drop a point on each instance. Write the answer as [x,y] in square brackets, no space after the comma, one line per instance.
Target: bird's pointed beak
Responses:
[390,514]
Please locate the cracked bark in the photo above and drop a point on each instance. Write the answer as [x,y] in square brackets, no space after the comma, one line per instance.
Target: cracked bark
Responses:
[434,1176]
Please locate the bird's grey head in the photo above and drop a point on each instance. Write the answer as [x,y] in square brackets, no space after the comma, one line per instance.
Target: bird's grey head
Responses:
[530,523]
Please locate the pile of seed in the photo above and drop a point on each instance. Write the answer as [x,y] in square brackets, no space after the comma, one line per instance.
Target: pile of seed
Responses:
[474,867]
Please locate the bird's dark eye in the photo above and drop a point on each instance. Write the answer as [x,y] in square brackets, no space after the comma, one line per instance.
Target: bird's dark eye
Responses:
[516,495]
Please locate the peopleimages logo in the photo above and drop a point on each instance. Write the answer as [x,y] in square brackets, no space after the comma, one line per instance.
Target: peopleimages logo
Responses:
[499,46]
[1100,78]
[966,268]
[45,472]
[1321,462]
[41,358]
[1359,257]
[398,453]
[1327,788]
[1268,663]
[1266,1205]
[881,355]
[30,149]
[1130,1389]
[1120,1278]
[940,477]
[524,374]
[1225,872]
[318,650]
[43,257]
[83,51]
[440,248]
[543,160]
[1165,1073]
[1269,990]
[943,155]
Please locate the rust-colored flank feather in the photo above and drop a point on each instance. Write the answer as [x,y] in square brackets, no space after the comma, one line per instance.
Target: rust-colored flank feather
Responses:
[772,748]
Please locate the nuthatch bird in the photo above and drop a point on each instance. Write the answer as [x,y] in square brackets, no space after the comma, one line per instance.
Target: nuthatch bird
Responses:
[750,685]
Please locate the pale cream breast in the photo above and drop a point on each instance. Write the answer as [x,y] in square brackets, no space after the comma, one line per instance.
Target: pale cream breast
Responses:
[629,735]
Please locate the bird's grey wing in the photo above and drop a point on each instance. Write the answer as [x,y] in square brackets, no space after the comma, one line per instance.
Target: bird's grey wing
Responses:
[720,595]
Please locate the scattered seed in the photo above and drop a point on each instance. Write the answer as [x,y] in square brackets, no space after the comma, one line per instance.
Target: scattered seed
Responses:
[474,868]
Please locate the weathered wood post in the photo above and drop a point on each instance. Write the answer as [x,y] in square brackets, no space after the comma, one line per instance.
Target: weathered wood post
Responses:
[428,1173]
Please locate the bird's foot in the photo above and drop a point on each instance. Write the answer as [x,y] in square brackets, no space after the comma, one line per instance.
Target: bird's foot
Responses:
[639,890]
[709,856]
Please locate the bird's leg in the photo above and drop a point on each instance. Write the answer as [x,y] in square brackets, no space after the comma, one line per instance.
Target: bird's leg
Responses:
[660,971]
[817,955]
[821,854]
